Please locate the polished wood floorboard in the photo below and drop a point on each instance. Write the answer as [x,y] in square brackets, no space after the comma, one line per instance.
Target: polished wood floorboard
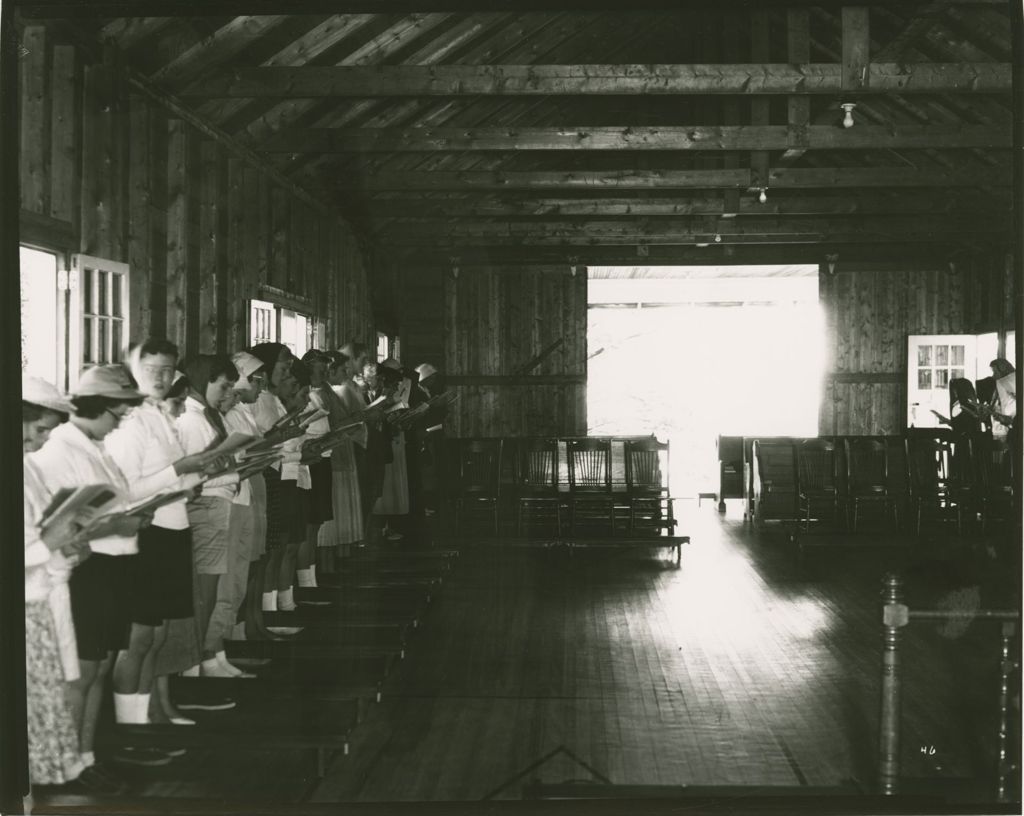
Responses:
[741,668]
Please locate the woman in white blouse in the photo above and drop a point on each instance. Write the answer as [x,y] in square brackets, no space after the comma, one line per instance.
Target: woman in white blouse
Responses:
[50,653]
[75,456]
[201,428]
[149,453]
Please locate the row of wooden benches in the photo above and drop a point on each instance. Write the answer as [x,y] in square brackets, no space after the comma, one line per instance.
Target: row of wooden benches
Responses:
[313,689]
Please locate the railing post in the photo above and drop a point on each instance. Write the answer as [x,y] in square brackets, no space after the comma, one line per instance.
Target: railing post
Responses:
[895,616]
[1006,667]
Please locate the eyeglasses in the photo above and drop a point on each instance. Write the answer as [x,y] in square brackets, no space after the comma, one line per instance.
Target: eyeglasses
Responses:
[125,410]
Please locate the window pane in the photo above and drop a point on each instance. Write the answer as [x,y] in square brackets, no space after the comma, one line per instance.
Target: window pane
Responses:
[87,291]
[924,379]
[116,341]
[956,374]
[941,377]
[116,309]
[957,355]
[102,285]
[942,355]
[87,350]
[101,351]
[924,355]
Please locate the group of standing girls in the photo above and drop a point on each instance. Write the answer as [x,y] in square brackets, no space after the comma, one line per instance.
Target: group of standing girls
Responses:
[138,598]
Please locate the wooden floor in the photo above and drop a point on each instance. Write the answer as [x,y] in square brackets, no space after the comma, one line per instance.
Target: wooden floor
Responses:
[740,668]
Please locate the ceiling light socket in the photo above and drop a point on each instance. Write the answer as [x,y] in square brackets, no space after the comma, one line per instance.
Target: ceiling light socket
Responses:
[763,195]
[848,113]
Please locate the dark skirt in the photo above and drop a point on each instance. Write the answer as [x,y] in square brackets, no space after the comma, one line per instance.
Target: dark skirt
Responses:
[275,509]
[161,587]
[321,507]
[294,511]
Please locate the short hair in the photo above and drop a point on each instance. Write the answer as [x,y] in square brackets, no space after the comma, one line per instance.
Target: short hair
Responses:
[315,355]
[179,388]
[337,358]
[152,346]
[30,412]
[1001,367]
[300,371]
[92,406]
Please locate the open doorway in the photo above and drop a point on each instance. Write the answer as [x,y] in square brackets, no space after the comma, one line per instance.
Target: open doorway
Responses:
[691,353]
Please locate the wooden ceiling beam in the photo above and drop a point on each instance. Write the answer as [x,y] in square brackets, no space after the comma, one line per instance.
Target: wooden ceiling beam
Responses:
[934,255]
[695,228]
[863,204]
[785,178]
[689,138]
[313,82]
[75,9]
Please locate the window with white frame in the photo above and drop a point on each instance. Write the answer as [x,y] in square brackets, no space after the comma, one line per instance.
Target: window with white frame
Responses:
[104,310]
[382,347]
[271,322]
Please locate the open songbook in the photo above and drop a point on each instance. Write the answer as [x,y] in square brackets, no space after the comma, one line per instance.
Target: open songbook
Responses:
[102,498]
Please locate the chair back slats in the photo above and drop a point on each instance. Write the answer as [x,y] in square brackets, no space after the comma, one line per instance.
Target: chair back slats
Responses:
[867,465]
[480,467]
[538,466]
[816,467]
[646,466]
[590,466]
[927,465]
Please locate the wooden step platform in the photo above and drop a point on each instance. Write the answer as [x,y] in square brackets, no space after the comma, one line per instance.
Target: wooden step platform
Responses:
[296,649]
[378,579]
[395,598]
[290,724]
[365,680]
[343,614]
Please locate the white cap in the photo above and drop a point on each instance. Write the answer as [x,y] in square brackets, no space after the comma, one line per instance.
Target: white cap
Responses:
[425,370]
[246,363]
[39,392]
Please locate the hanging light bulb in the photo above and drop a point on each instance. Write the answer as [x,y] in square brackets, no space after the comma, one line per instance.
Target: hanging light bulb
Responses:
[763,195]
[848,113]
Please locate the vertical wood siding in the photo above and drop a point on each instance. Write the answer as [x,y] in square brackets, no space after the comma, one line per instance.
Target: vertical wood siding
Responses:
[869,314]
[200,229]
[490,321]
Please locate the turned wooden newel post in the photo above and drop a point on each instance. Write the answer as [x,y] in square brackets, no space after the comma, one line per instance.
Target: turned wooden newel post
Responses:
[1006,667]
[894,617]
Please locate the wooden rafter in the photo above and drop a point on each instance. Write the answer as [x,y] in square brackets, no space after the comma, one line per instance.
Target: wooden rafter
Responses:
[545,80]
[700,138]
[791,178]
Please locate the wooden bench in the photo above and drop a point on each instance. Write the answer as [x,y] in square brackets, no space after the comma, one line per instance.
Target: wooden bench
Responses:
[295,723]
[405,598]
[303,649]
[627,542]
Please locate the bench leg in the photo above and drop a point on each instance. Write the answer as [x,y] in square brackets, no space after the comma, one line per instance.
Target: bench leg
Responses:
[321,762]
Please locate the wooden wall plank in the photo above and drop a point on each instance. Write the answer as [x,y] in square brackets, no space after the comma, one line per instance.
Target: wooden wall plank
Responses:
[34,68]
[140,248]
[177,234]
[211,274]
[64,134]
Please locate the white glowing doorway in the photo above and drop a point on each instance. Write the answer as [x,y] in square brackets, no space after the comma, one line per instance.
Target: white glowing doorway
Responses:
[689,353]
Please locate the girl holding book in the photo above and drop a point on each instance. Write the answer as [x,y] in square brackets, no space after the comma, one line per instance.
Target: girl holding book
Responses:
[147,449]
[201,428]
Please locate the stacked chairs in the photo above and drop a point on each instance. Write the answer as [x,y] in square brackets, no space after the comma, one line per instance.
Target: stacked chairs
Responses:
[994,479]
[536,479]
[475,478]
[591,503]
[817,479]
[775,481]
[867,477]
[929,460]
[650,505]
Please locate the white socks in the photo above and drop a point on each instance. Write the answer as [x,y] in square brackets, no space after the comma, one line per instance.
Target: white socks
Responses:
[131,709]
[286,600]
[270,601]
[212,667]
[88,758]
[191,672]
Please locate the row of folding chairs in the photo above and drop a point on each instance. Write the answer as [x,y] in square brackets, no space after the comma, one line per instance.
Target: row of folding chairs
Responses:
[922,474]
[575,485]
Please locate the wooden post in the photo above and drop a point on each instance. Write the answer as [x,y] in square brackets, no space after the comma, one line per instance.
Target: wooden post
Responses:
[1006,667]
[760,110]
[856,47]
[894,617]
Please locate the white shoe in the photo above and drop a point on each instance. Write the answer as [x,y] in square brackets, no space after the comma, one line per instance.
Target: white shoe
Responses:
[213,668]
[234,671]
[284,630]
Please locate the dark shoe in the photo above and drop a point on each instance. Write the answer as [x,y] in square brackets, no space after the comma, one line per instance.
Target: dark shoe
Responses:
[92,782]
[149,757]
[211,703]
